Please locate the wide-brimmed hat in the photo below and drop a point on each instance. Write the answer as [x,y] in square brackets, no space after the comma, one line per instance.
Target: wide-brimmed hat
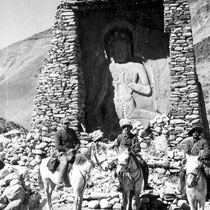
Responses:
[197,128]
[96,135]
[124,122]
[66,120]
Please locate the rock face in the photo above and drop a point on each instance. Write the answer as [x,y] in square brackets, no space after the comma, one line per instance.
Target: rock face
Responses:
[200,20]
[86,91]
[200,25]
[97,91]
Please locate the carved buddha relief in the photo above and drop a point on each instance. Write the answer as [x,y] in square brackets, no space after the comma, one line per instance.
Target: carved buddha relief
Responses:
[130,78]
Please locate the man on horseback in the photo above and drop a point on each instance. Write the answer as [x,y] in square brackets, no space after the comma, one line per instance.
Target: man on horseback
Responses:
[194,145]
[67,144]
[126,138]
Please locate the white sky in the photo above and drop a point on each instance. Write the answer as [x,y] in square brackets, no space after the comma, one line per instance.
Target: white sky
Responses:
[20,19]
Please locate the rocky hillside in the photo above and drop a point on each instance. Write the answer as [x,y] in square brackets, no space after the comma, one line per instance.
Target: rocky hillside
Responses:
[20,65]
[200,19]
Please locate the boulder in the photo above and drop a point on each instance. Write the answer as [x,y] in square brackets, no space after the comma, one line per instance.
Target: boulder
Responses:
[15,192]
[14,205]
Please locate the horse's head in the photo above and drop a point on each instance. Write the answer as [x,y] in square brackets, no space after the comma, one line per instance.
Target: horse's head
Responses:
[99,155]
[123,158]
[193,170]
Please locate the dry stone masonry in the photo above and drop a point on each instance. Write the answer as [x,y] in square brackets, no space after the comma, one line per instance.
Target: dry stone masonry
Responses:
[185,106]
[61,90]
[21,186]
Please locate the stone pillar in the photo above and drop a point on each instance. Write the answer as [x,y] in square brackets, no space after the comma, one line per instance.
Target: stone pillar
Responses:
[60,91]
[185,107]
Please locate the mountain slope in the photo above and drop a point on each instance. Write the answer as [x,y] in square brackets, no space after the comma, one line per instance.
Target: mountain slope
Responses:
[20,65]
[200,20]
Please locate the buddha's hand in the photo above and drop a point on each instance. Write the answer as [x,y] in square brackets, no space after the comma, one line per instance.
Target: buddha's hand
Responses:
[112,60]
[122,78]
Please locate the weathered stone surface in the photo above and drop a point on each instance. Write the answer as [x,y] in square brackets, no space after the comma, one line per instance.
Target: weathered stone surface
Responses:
[15,192]
[14,205]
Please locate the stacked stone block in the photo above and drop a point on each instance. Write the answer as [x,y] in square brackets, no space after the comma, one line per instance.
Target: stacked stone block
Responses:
[60,91]
[185,103]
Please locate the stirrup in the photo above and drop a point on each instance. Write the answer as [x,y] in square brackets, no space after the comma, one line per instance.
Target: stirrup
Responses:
[148,187]
[59,186]
[119,189]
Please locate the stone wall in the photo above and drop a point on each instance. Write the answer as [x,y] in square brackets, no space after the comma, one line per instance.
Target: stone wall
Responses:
[61,88]
[185,97]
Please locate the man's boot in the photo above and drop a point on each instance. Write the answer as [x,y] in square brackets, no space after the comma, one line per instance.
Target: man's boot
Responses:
[145,170]
[62,169]
[120,178]
[181,185]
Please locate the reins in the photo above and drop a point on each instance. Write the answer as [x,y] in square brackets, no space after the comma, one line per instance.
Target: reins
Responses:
[97,161]
[136,178]
[197,177]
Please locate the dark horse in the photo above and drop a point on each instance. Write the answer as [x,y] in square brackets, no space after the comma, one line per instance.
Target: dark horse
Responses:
[132,178]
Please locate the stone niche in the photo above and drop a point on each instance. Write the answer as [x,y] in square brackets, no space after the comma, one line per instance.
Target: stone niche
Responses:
[119,59]
[124,62]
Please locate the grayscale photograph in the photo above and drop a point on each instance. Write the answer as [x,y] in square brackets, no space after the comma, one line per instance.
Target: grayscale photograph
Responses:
[105,104]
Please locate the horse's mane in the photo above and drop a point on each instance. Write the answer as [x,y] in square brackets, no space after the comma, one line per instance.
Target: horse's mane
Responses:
[193,162]
[86,154]
[122,149]
[80,159]
[83,157]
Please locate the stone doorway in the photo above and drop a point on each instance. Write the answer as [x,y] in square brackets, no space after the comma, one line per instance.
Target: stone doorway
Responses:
[141,26]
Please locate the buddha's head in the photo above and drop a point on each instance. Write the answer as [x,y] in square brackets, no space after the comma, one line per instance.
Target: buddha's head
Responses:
[120,47]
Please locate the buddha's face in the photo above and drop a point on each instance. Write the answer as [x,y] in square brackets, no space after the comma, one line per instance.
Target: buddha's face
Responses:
[120,51]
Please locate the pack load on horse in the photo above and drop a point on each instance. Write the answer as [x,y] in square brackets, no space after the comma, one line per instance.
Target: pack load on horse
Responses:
[132,179]
[196,184]
[78,176]
[68,168]
[194,145]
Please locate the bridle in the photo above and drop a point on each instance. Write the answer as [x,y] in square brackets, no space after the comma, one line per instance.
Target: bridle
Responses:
[196,177]
[136,178]
[94,153]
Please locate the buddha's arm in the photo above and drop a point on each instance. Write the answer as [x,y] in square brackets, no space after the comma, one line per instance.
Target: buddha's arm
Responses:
[141,84]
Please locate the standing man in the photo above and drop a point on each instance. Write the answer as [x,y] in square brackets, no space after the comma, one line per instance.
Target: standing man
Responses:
[67,144]
[130,140]
[197,146]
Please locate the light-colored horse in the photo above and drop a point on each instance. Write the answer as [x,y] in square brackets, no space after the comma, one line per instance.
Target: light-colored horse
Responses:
[132,178]
[78,176]
[196,185]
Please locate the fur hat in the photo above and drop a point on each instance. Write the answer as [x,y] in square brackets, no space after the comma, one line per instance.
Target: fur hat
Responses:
[65,120]
[197,128]
[124,122]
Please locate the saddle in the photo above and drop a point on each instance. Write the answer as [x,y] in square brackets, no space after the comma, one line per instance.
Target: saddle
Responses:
[53,163]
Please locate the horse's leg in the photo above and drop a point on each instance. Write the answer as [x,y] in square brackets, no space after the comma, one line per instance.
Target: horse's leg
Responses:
[80,199]
[125,200]
[78,189]
[201,204]
[192,203]
[137,200]
[49,187]
[130,198]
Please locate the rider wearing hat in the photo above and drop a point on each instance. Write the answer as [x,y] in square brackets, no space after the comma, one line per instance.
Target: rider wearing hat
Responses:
[66,144]
[126,138]
[197,146]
